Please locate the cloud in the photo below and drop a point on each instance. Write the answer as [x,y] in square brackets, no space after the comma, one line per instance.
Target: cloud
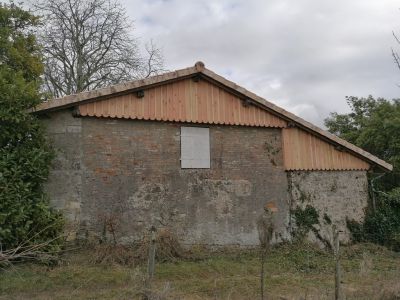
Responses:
[304,55]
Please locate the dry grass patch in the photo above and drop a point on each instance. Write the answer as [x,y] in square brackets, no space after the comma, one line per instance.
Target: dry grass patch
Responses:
[293,272]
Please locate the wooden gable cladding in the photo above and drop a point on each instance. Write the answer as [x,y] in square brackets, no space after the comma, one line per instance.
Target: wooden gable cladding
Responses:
[185,100]
[304,151]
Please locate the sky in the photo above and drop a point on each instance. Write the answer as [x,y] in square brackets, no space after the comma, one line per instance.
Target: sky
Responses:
[303,55]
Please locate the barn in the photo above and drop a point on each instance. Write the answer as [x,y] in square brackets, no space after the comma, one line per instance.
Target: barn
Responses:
[195,153]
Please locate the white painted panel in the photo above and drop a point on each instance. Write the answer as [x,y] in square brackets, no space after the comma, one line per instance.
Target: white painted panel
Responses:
[195,147]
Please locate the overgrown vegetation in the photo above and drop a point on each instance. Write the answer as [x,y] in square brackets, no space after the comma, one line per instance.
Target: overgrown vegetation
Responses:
[374,125]
[298,271]
[168,249]
[25,216]
[383,225]
[305,220]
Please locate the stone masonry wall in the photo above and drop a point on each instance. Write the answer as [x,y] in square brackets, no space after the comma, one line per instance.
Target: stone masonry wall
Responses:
[335,195]
[64,185]
[128,173]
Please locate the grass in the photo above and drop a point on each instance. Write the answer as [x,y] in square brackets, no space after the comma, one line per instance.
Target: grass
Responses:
[294,272]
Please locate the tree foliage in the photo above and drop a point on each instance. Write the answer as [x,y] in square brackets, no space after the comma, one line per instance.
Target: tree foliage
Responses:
[373,125]
[24,153]
[88,45]
[381,226]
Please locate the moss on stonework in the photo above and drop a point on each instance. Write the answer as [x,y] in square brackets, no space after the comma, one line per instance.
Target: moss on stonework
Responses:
[306,218]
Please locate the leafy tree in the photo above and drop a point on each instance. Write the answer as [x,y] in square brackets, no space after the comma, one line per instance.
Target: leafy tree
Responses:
[374,125]
[25,216]
[88,45]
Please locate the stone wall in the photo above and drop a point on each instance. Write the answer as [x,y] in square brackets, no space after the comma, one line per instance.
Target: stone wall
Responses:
[335,195]
[128,172]
[64,185]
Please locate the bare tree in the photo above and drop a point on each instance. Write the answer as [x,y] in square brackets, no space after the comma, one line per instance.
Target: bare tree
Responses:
[394,53]
[88,44]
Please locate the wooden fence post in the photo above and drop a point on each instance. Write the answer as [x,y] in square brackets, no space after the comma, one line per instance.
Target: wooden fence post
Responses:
[152,253]
[336,253]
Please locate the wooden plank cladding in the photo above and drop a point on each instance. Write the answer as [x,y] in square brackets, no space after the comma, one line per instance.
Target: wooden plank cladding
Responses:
[184,101]
[304,151]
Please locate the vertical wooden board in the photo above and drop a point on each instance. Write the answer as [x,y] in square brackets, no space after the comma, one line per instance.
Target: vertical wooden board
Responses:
[296,148]
[193,101]
[283,149]
[179,99]
[122,106]
[91,109]
[112,104]
[125,106]
[134,106]
[83,110]
[319,154]
[333,158]
[117,106]
[246,110]
[96,106]
[164,102]
[257,117]
[104,108]
[340,158]
[146,105]
[151,105]
[240,114]
[329,154]
[188,100]
[208,104]
[314,153]
[287,158]
[325,155]
[251,115]
[263,119]
[228,107]
[175,102]
[200,101]
[305,149]
[234,101]
[141,106]
[221,106]
[214,93]
[171,106]
[311,151]
[203,96]
[157,103]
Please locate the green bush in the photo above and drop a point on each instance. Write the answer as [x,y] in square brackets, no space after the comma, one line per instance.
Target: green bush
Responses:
[25,155]
[381,226]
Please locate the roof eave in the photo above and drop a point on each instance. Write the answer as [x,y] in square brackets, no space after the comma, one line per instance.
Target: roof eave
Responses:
[113,90]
